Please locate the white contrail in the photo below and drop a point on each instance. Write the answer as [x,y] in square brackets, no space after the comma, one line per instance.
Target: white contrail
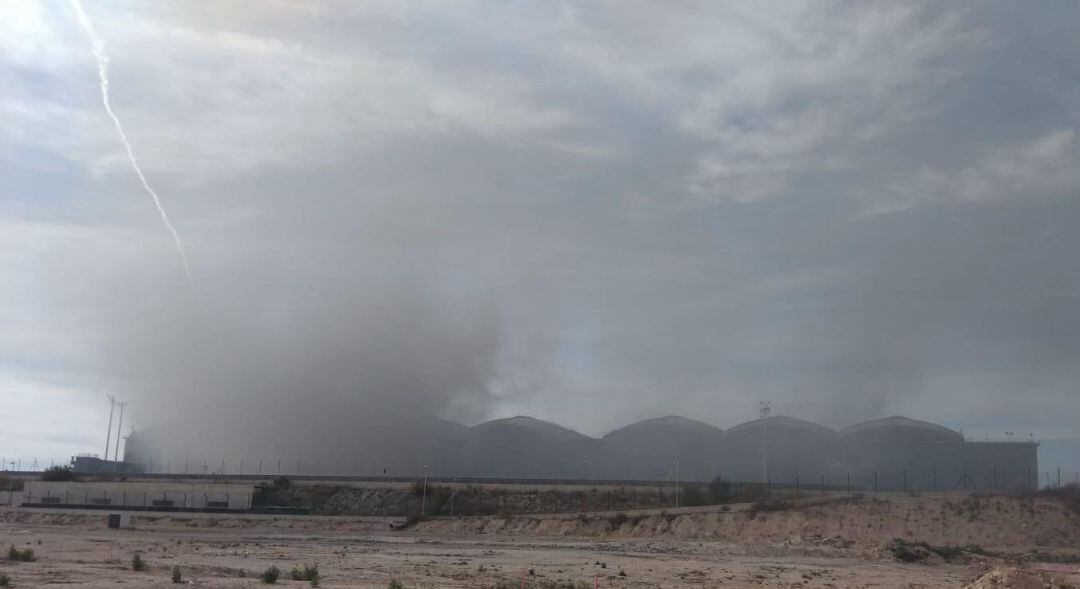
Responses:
[103,76]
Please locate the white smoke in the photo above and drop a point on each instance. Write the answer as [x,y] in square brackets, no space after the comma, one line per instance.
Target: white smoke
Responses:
[98,49]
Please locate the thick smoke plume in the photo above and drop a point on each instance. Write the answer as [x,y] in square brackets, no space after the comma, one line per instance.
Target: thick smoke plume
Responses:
[339,371]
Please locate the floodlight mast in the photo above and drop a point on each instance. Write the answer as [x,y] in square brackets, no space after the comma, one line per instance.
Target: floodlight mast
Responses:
[676,480]
[119,432]
[765,410]
[108,433]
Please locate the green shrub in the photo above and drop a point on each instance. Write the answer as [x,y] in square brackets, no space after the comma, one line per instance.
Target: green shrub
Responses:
[137,563]
[308,573]
[720,491]
[270,575]
[5,581]
[395,584]
[905,551]
[59,473]
[279,492]
[14,554]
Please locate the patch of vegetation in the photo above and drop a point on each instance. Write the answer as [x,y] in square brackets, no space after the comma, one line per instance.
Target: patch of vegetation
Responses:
[10,483]
[905,551]
[5,581]
[1039,556]
[308,573]
[549,584]
[137,562]
[395,584]
[949,553]
[767,505]
[693,495]
[979,550]
[270,575]
[278,493]
[720,491]
[177,576]
[412,521]
[972,506]
[16,555]
[1068,495]
[59,473]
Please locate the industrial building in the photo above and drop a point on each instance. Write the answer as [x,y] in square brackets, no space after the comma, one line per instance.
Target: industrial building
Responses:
[894,453]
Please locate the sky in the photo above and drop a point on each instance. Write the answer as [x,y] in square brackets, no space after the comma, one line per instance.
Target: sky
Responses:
[591,213]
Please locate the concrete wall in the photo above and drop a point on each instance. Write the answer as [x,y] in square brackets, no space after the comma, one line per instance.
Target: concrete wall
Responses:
[148,495]
[982,466]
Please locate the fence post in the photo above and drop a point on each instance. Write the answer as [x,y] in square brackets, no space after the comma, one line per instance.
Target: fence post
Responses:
[935,479]
[875,483]
[849,484]
[822,484]
[796,486]
[905,481]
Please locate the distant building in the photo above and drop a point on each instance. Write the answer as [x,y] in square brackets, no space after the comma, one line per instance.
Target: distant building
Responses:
[88,464]
[890,454]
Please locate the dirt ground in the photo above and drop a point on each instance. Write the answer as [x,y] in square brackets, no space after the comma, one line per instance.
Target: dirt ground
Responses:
[836,545]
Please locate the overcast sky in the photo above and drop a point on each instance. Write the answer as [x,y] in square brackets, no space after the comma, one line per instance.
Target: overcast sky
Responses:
[590,213]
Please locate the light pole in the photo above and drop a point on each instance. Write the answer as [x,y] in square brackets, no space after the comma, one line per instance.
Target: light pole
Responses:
[765,409]
[423,498]
[119,428]
[676,481]
[108,433]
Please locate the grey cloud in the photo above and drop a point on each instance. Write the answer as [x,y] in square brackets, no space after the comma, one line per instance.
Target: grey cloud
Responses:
[593,213]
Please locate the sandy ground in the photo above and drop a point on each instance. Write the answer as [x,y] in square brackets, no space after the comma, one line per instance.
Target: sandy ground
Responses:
[720,549]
